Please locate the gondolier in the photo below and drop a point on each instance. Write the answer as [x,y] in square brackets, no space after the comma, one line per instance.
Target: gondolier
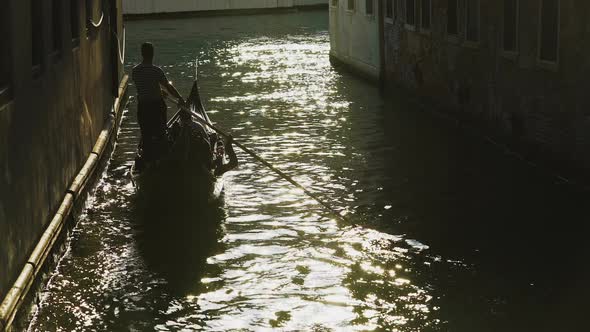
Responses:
[195,157]
[151,108]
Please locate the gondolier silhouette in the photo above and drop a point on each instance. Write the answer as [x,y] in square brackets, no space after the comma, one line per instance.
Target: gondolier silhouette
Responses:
[151,108]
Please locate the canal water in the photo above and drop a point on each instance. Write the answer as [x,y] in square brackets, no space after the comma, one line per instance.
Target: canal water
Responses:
[449,234]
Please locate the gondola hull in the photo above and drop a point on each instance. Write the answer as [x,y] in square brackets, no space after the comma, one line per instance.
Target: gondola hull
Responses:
[184,167]
[172,179]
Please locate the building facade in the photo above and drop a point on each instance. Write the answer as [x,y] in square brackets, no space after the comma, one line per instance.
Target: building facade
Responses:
[146,7]
[60,67]
[518,68]
[354,35]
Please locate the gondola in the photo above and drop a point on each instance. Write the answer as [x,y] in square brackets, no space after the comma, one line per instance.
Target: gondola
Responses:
[183,168]
[184,173]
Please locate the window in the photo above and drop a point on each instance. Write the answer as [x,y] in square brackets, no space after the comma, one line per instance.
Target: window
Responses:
[369,7]
[411,12]
[426,14]
[453,17]
[56,22]
[389,4]
[36,36]
[75,21]
[350,5]
[549,31]
[472,20]
[510,32]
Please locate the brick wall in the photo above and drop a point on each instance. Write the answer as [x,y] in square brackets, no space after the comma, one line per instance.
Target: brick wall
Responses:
[513,94]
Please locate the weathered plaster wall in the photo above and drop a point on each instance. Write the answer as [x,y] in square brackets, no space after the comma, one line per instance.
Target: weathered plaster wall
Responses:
[542,110]
[175,6]
[51,122]
[354,37]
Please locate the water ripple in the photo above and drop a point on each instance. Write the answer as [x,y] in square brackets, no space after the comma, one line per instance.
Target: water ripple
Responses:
[268,257]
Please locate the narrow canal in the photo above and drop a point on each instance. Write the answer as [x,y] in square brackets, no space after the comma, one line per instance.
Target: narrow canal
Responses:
[452,235]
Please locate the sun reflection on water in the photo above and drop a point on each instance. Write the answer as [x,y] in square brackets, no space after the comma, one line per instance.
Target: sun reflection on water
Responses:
[281,261]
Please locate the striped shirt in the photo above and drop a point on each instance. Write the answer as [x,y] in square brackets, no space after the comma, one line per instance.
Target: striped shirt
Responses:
[148,79]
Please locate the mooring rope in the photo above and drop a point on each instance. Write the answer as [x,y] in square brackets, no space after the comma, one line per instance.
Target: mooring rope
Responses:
[121,50]
[94,24]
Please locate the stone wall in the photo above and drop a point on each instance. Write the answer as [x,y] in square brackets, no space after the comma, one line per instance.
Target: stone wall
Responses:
[533,104]
[141,7]
[354,37]
[52,116]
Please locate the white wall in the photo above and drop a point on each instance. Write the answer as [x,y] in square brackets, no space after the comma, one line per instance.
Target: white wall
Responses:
[354,36]
[173,6]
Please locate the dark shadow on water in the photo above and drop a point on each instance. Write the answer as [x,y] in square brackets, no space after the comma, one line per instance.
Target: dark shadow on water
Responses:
[176,234]
[519,234]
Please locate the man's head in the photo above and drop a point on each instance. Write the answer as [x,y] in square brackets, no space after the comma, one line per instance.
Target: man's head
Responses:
[147,51]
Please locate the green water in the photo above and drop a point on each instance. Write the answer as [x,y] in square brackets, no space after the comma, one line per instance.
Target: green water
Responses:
[452,234]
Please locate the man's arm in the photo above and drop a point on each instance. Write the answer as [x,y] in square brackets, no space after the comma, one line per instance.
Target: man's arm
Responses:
[170,88]
[233,159]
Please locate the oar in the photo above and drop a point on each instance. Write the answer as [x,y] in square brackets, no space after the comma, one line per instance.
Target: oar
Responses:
[266,163]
